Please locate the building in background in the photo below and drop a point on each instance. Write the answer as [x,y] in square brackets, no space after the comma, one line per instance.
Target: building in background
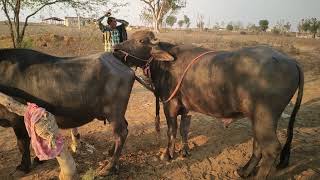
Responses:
[76,21]
[53,20]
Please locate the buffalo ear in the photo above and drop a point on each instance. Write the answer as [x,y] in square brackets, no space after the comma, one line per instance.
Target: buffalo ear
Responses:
[161,55]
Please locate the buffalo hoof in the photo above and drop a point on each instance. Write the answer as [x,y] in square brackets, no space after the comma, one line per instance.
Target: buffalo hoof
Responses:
[23,168]
[76,144]
[242,173]
[108,170]
[185,152]
[75,148]
[282,165]
[166,155]
[37,161]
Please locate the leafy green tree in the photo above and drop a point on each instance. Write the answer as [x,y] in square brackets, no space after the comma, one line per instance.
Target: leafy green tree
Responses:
[180,23]
[311,25]
[264,24]
[171,20]
[314,26]
[305,25]
[230,27]
[287,26]
[186,20]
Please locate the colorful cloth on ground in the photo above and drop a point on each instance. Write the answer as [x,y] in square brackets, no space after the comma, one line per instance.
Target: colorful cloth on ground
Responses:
[42,147]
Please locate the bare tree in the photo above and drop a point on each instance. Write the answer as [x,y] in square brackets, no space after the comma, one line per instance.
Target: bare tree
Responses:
[158,9]
[200,22]
[13,8]
[146,18]
[281,27]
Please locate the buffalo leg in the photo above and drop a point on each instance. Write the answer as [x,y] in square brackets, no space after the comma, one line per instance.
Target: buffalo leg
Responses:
[265,134]
[253,162]
[120,131]
[23,142]
[75,136]
[111,151]
[184,130]
[67,165]
[170,112]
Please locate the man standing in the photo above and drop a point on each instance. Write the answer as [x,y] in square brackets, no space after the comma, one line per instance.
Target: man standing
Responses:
[113,34]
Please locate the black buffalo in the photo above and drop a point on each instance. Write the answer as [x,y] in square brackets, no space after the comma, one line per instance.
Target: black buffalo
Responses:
[254,82]
[75,89]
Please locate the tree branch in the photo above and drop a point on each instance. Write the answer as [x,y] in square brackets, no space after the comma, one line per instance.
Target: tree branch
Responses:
[152,7]
[4,3]
[35,12]
[17,20]
[12,6]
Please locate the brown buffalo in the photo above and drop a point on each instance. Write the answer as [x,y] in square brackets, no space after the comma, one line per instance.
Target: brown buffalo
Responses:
[254,82]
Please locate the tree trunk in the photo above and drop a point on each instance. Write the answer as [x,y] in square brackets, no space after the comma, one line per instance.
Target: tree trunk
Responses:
[19,40]
[156,28]
[314,35]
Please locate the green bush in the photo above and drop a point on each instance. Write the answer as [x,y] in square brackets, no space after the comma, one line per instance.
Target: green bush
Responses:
[27,43]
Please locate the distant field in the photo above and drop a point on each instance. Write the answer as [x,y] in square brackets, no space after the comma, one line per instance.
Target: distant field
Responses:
[89,39]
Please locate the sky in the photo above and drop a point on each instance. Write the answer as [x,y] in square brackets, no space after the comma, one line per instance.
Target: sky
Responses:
[213,11]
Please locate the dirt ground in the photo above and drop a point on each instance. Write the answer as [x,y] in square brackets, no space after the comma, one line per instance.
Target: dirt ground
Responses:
[216,152]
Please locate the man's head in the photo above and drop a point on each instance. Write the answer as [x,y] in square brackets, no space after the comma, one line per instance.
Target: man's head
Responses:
[112,22]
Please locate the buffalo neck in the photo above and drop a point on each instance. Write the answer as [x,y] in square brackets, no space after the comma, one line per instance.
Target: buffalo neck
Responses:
[162,78]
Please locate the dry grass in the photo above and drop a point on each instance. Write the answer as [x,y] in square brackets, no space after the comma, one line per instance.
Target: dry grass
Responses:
[70,41]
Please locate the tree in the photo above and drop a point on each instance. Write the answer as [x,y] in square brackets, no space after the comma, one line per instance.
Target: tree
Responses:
[222,24]
[237,26]
[200,22]
[158,9]
[281,27]
[146,18]
[186,20]
[300,26]
[229,27]
[264,24]
[216,26]
[311,25]
[314,26]
[287,26]
[180,23]
[171,20]
[253,28]
[13,10]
